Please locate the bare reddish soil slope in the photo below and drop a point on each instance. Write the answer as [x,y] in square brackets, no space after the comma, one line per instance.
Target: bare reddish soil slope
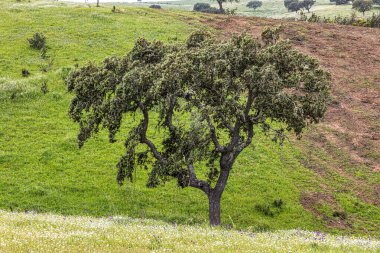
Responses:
[350,133]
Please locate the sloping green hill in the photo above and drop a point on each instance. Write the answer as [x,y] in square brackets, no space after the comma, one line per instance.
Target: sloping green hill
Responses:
[42,169]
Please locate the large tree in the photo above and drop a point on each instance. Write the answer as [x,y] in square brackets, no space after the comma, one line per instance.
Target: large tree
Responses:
[208,98]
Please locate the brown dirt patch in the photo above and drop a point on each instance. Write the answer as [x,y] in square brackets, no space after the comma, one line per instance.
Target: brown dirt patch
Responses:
[312,200]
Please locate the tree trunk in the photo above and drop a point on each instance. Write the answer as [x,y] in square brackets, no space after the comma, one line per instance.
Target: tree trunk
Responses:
[214,209]
[97,3]
[215,194]
[221,6]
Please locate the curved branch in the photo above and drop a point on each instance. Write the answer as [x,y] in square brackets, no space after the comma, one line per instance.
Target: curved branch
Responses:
[225,122]
[197,183]
[214,138]
[169,115]
[144,139]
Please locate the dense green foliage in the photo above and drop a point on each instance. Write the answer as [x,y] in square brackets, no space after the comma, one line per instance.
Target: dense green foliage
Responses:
[205,7]
[254,4]
[296,5]
[38,41]
[229,88]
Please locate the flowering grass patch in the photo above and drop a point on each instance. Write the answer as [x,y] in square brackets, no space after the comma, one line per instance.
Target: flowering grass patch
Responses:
[21,232]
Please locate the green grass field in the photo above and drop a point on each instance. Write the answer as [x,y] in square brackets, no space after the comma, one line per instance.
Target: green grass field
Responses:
[42,169]
[52,233]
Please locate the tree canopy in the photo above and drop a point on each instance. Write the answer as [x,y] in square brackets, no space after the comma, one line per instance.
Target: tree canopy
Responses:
[296,5]
[254,4]
[210,97]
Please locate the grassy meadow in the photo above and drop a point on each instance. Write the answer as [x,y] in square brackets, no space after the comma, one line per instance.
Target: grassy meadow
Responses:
[42,170]
[51,233]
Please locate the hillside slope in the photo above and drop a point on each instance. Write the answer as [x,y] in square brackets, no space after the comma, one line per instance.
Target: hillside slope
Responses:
[41,168]
[343,151]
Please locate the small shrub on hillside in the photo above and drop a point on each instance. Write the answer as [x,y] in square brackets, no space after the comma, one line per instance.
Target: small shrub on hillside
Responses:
[278,203]
[264,209]
[25,73]
[38,41]
[340,214]
[373,21]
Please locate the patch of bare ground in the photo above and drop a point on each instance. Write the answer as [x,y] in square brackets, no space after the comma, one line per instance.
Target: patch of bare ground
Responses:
[352,123]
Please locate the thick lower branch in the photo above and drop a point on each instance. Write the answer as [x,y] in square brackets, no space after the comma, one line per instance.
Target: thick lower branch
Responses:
[197,183]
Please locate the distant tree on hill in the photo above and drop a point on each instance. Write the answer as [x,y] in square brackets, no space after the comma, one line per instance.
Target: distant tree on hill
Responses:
[295,5]
[292,5]
[220,3]
[340,2]
[208,99]
[288,2]
[254,4]
[307,4]
[201,6]
[155,6]
[205,7]
[362,5]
